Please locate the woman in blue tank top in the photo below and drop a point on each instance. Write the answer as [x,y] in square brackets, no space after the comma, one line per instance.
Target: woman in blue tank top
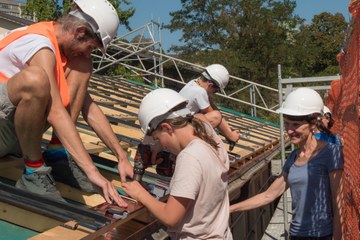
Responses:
[312,172]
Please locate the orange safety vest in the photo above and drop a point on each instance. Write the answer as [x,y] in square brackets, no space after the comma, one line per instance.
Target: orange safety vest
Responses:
[45,29]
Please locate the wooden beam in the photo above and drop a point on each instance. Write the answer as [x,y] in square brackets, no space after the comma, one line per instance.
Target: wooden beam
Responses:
[26,218]
[64,233]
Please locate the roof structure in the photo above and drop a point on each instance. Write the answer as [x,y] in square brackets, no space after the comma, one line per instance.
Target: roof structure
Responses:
[119,99]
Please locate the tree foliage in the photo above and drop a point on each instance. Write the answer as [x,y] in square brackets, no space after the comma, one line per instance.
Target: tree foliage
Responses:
[251,37]
[42,10]
[317,44]
[46,10]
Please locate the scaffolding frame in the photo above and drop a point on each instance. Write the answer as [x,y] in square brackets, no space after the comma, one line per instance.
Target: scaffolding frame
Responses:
[145,46]
[322,85]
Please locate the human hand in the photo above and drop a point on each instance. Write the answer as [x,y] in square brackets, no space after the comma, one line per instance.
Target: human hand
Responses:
[125,168]
[232,208]
[134,189]
[234,135]
[109,191]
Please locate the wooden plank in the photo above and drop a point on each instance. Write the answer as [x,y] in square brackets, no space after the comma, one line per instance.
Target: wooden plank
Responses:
[128,131]
[94,148]
[74,194]
[26,218]
[118,109]
[104,100]
[125,117]
[91,143]
[63,233]
[114,98]
[120,129]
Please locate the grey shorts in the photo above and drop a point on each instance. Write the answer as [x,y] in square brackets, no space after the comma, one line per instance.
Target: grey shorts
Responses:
[8,140]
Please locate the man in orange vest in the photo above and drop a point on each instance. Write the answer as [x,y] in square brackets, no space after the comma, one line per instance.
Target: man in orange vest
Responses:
[44,73]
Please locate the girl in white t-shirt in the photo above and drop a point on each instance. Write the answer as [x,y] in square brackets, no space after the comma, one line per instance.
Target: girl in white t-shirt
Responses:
[198,205]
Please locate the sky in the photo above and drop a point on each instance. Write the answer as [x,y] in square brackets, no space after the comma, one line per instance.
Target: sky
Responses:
[158,11]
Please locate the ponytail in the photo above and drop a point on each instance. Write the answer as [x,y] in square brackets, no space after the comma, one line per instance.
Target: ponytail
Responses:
[317,119]
[322,128]
[200,131]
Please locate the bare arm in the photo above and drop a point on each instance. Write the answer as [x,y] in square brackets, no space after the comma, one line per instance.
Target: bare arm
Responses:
[232,135]
[276,189]
[98,121]
[58,117]
[170,213]
[60,120]
[335,178]
[222,125]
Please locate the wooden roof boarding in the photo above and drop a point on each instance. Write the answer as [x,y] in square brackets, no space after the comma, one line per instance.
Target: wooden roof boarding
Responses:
[120,99]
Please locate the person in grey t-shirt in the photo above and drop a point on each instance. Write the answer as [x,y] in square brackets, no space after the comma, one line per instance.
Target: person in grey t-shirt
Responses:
[198,92]
[312,172]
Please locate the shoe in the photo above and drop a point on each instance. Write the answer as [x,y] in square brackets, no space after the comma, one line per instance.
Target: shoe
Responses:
[65,170]
[40,182]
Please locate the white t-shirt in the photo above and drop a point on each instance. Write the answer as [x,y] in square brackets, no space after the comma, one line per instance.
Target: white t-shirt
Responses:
[196,95]
[201,174]
[16,54]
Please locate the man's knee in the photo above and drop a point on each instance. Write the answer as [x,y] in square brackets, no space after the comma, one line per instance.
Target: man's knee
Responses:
[32,82]
[37,79]
[214,117]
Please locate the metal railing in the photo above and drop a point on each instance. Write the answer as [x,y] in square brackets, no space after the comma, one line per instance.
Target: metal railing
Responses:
[144,57]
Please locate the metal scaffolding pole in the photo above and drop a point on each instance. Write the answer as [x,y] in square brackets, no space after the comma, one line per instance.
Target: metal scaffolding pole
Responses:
[282,143]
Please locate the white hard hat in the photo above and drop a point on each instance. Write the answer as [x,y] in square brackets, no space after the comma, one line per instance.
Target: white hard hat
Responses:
[301,102]
[101,16]
[156,106]
[217,73]
[326,110]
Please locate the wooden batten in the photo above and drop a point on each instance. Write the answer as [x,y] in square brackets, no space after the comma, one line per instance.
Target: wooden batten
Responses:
[64,233]
[26,218]
[119,100]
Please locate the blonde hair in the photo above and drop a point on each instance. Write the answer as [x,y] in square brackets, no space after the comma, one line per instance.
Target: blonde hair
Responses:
[198,126]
